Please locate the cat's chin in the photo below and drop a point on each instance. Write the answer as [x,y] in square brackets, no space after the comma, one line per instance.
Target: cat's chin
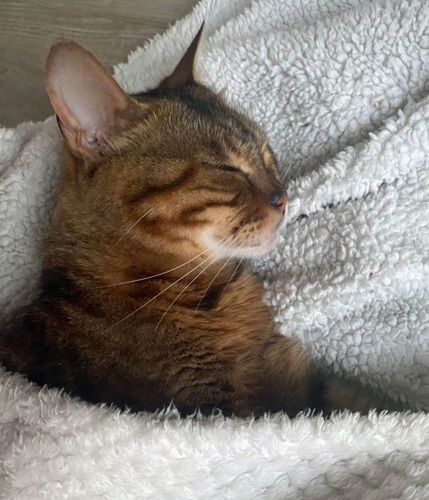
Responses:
[257,250]
[223,249]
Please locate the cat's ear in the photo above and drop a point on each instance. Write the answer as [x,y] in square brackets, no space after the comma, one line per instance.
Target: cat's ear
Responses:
[184,72]
[92,109]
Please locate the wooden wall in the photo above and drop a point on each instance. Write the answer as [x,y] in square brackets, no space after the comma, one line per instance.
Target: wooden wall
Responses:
[108,28]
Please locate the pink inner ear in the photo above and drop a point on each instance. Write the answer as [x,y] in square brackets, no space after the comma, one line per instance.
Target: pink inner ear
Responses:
[83,94]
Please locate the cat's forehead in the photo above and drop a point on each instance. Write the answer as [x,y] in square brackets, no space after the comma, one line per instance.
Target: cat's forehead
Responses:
[199,110]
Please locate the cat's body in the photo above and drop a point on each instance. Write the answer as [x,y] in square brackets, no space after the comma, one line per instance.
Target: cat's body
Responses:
[216,352]
[144,299]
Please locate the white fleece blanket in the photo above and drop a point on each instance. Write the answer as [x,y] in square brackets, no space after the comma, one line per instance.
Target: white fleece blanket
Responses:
[340,86]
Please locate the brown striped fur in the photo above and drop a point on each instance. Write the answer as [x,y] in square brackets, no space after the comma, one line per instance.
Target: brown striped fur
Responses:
[151,182]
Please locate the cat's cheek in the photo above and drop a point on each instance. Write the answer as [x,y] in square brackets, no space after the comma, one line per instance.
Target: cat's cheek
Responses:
[218,247]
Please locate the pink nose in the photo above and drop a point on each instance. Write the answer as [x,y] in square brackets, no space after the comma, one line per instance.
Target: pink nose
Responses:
[278,200]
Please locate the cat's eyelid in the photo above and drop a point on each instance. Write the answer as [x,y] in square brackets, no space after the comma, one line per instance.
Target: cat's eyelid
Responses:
[230,168]
[227,168]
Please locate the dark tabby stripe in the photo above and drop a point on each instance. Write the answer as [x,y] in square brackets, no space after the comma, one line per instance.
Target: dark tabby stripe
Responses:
[157,189]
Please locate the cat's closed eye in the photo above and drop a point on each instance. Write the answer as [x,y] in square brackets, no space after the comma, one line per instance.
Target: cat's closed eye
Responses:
[230,168]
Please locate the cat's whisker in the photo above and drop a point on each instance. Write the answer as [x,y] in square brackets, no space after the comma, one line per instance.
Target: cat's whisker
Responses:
[215,255]
[289,168]
[232,275]
[291,162]
[156,275]
[161,292]
[286,174]
[190,245]
[283,177]
[185,288]
[155,297]
[134,225]
[216,275]
[223,291]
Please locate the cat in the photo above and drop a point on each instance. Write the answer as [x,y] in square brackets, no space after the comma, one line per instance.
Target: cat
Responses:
[145,298]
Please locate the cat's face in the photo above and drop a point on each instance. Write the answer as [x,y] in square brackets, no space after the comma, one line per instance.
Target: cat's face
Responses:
[206,174]
[176,166]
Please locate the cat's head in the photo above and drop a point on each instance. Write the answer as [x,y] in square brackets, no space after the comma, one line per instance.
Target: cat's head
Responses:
[173,168]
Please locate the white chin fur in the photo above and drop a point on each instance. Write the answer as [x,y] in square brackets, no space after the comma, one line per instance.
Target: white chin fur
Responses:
[229,249]
[254,251]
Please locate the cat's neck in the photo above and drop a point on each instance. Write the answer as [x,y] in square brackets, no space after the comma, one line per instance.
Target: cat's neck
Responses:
[195,270]
[127,269]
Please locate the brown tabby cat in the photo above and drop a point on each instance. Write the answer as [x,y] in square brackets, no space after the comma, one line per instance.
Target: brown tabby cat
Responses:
[144,297]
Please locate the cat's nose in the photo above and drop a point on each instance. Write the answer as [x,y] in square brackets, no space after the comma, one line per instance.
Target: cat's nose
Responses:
[278,199]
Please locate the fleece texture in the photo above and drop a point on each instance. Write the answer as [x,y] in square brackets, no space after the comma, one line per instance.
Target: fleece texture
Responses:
[340,87]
